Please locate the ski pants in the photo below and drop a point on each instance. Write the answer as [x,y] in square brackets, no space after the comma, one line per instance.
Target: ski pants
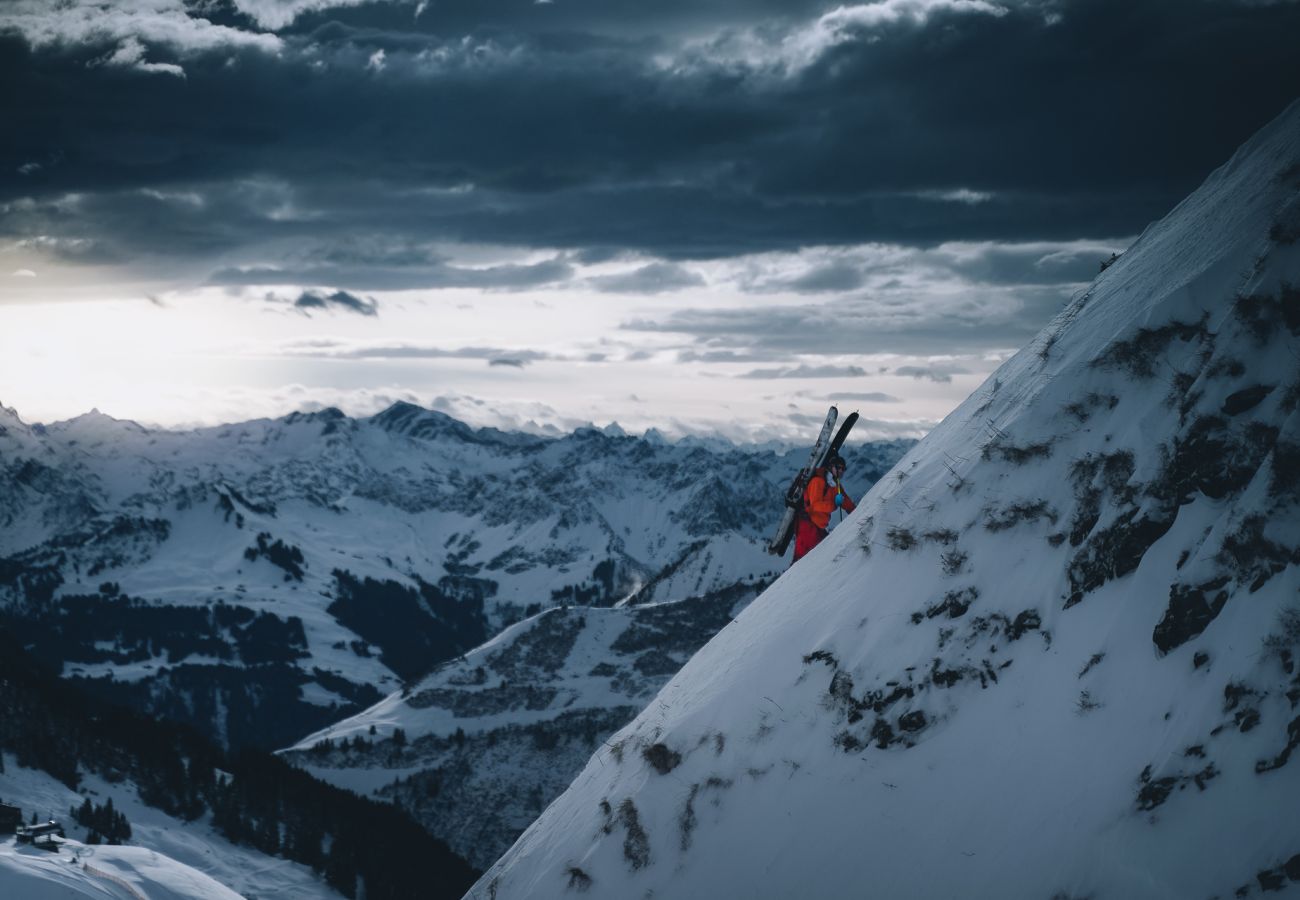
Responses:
[806,536]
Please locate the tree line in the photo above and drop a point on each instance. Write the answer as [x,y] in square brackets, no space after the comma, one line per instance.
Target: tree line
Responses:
[253,797]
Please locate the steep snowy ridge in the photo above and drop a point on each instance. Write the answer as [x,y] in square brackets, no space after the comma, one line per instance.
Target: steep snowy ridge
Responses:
[12,428]
[1053,654]
[31,473]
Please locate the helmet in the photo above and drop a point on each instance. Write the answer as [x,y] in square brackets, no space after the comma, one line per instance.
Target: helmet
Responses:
[835,460]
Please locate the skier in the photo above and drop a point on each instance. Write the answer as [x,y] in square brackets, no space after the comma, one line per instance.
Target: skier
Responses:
[823,495]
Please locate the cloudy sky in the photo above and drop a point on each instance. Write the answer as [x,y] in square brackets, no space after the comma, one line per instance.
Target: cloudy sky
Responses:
[697,215]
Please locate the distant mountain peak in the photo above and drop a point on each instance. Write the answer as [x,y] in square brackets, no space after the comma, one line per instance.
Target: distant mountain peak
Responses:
[327,414]
[96,421]
[418,422]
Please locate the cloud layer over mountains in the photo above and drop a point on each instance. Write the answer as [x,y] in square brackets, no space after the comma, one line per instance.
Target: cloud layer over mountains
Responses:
[748,180]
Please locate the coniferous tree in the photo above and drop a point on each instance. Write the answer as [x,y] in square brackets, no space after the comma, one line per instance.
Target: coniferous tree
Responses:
[303,842]
[268,835]
[123,827]
[340,867]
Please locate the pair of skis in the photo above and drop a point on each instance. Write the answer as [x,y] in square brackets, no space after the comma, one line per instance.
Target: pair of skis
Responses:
[822,450]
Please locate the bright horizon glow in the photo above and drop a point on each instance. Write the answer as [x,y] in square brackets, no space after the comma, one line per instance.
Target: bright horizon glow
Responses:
[215,355]
[748,348]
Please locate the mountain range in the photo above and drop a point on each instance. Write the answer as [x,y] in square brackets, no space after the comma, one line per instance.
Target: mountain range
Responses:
[263,581]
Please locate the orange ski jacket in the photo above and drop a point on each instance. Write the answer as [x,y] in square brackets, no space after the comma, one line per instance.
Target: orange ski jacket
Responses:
[819,499]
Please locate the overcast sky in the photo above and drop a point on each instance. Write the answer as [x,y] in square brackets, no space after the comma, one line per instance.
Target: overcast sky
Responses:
[697,215]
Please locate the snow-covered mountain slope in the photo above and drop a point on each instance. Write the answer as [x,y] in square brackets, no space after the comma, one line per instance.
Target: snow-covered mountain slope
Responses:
[165,858]
[192,801]
[1054,654]
[488,740]
[120,873]
[261,580]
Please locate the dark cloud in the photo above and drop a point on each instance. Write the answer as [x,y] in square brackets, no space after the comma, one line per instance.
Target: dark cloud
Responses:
[401,274]
[76,249]
[655,278]
[725,356]
[309,300]
[559,22]
[913,322]
[597,254]
[1085,125]
[834,277]
[331,349]
[1034,264]
[941,374]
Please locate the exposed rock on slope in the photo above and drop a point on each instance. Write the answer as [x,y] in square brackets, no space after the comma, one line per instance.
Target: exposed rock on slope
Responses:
[478,748]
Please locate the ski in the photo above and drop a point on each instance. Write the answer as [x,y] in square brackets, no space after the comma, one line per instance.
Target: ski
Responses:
[840,437]
[794,494]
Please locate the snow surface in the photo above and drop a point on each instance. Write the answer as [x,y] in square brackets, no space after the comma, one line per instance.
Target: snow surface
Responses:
[1052,655]
[165,858]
